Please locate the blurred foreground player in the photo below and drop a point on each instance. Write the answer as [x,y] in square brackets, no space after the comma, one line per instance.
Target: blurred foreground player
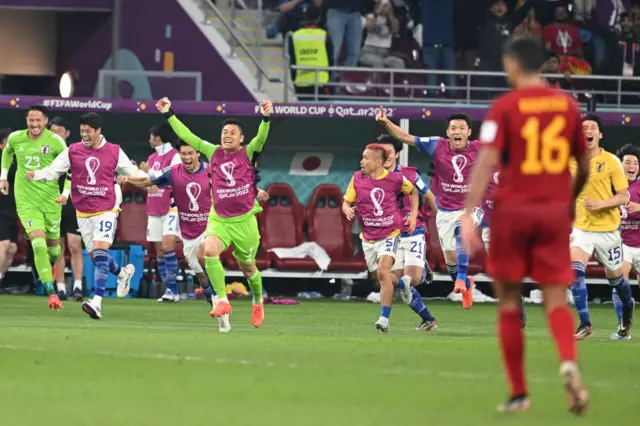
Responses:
[372,195]
[533,130]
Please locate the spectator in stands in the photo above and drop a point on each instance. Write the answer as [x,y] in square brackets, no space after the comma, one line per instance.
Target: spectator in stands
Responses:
[562,37]
[635,17]
[437,41]
[344,22]
[623,60]
[529,27]
[8,215]
[290,17]
[468,16]
[310,46]
[381,27]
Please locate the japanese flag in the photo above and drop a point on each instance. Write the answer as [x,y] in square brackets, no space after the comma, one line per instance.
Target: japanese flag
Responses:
[311,164]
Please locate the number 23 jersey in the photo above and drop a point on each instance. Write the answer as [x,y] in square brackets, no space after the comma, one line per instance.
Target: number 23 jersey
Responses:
[537,130]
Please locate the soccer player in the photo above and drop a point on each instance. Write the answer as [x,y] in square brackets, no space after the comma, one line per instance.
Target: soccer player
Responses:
[68,226]
[162,226]
[8,217]
[411,254]
[629,155]
[372,195]
[232,219]
[452,159]
[94,163]
[596,228]
[533,131]
[38,206]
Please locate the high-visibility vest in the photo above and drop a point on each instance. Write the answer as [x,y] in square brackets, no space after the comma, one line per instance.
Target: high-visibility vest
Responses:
[310,49]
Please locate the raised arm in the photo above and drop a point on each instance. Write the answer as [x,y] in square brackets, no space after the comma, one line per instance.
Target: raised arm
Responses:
[257,143]
[183,132]
[425,144]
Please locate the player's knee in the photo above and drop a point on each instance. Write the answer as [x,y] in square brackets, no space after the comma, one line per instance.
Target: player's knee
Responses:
[247,270]
[168,244]
[212,247]
[384,275]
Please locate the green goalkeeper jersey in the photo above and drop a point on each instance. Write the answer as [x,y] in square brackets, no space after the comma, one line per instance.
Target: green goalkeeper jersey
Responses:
[32,155]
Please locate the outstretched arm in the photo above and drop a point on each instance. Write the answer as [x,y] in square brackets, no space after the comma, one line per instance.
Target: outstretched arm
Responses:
[58,167]
[183,132]
[426,144]
[257,144]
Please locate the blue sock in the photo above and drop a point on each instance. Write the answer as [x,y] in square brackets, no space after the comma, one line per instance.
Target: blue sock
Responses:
[418,306]
[580,294]
[207,292]
[623,289]
[400,284]
[452,270]
[172,271]
[101,272]
[617,305]
[462,257]
[385,311]
[162,269]
[114,268]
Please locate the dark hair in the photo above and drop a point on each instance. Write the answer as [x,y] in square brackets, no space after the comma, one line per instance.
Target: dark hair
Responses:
[38,107]
[310,14]
[4,133]
[182,143]
[528,52]
[234,122]
[459,116]
[164,131]
[592,117]
[58,121]
[628,149]
[388,140]
[380,149]
[92,120]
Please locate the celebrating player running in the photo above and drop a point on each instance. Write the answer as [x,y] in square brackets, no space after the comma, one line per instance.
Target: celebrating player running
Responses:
[534,130]
[94,163]
[234,207]
[37,204]
[452,159]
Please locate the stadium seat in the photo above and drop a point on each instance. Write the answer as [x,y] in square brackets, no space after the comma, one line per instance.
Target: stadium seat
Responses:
[331,230]
[595,269]
[358,83]
[132,220]
[281,226]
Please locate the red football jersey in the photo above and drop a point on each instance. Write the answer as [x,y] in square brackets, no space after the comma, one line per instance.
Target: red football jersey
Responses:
[537,130]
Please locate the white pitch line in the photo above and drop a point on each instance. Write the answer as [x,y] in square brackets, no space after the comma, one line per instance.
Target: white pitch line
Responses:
[461,375]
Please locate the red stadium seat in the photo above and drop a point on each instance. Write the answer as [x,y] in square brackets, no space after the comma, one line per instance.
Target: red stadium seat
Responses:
[132,220]
[281,226]
[331,230]
[595,269]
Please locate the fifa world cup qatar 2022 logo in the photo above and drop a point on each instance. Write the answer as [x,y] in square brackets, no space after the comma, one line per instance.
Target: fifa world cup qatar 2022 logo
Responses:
[377,197]
[459,162]
[92,164]
[193,192]
[227,170]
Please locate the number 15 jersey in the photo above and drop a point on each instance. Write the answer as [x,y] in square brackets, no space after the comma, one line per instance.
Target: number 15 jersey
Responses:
[537,130]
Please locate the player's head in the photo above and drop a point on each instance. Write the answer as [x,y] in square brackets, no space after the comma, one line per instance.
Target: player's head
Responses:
[160,134]
[37,119]
[393,148]
[373,158]
[189,156]
[90,129]
[629,155]
[592,128]
[4,136]
[232,134]
[60,127]
[459,130]
[522,59]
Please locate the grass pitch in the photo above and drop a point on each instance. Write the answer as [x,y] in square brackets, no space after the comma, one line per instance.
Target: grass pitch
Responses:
[318,363]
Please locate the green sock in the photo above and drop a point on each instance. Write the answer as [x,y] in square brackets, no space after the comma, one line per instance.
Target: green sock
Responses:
[255,284]
[215,271]
[54,253]
[43,266]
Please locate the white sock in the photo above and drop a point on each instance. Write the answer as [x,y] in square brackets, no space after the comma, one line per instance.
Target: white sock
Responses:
[62,287]
[77,284]
[97,301]
[223,299]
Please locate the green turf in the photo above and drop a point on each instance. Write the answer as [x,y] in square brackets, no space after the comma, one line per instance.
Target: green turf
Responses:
[318,363]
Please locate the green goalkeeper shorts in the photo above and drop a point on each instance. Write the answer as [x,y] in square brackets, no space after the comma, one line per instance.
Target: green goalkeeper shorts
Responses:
[36,218]
[243,235]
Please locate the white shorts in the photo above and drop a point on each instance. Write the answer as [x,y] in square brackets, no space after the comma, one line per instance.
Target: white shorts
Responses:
[374,251]
[190,248]
[486,237]
[411,252]
[98,228]
[632,255]
[159,226]
[607,246]
[446,225]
